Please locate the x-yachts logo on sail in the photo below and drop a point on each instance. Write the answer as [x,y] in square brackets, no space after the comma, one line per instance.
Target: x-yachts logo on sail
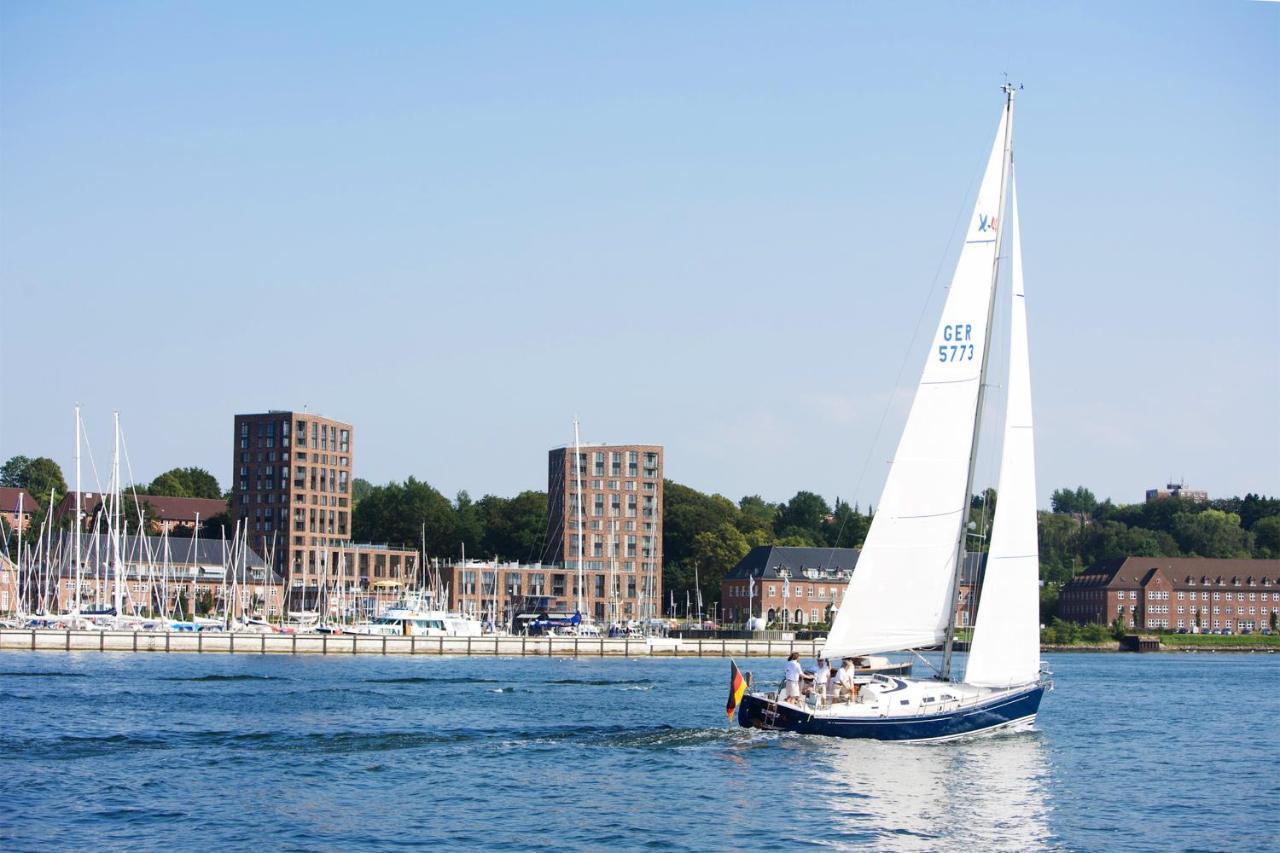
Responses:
[986,223]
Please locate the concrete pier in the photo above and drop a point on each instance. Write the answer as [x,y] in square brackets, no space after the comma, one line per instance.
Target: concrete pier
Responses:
[218,642]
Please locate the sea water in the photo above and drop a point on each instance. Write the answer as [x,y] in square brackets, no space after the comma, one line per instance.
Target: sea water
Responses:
[154,752]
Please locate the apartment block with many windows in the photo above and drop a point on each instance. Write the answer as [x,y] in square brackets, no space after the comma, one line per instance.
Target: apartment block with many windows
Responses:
[291,486]
[621,532]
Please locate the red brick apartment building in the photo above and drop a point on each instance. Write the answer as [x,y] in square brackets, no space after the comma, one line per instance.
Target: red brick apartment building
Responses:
[804,586]
[17,506]
[1175,592]
[291,485]
[622,528]
[163,512]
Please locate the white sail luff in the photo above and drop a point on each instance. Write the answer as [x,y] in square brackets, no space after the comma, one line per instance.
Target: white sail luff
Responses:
[1006,641]
[900,592]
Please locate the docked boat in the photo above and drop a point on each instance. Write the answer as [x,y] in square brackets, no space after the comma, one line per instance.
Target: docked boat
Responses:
[417,617]
[902,595]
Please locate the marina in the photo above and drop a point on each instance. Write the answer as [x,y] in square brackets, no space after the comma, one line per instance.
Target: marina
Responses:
[415,415]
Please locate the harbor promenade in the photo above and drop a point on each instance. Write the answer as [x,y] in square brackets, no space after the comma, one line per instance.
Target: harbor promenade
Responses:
[216,642]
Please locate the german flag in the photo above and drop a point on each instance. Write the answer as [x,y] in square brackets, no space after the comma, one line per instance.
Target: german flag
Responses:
[737,687]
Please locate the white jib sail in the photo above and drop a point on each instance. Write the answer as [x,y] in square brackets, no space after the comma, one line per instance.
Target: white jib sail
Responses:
[899,593]
[1006,638]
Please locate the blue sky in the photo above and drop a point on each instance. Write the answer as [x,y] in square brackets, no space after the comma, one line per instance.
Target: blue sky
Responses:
[707,225]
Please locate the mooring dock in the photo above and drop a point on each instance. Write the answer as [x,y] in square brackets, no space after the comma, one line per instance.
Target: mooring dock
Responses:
[218,642]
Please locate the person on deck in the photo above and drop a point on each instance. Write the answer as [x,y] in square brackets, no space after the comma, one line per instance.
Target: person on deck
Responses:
[821,678]
[792,673]
[846,690]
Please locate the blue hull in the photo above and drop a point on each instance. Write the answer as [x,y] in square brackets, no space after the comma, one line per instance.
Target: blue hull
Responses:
[756,712]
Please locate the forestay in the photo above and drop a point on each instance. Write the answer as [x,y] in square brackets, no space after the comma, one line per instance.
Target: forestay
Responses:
[899,593]
[1006,639]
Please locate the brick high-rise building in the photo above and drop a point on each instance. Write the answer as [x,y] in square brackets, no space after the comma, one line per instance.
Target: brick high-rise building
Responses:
[622,520]
[291,485]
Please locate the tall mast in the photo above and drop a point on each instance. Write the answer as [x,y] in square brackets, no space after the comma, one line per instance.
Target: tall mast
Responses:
[577,473]
[1005,162]
[79,522]
[116,514]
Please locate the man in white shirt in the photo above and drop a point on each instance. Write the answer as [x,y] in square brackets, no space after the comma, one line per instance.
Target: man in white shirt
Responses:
[821,677]
[846,690]
[791,675]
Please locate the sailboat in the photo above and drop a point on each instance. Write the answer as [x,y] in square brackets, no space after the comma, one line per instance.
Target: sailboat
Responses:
[902,595]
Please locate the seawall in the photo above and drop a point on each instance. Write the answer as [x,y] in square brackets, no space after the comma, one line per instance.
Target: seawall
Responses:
[354,644]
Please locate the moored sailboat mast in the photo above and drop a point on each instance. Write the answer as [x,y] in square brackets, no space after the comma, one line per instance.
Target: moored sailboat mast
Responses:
[577,473]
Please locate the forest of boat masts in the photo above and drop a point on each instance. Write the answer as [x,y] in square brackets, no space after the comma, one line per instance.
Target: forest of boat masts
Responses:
[209,578]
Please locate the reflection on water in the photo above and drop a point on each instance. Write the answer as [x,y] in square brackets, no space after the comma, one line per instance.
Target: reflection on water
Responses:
[986,792]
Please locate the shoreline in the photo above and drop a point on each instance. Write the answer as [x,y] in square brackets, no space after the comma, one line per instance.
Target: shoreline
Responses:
[16,639]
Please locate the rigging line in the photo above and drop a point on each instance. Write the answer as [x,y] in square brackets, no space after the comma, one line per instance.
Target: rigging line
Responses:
[924,660]
[902,366]
[543,541]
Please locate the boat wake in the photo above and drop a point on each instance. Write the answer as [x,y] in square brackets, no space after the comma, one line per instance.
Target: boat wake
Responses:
[241,677]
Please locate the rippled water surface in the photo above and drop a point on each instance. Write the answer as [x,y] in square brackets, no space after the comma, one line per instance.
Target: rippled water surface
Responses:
[152,751]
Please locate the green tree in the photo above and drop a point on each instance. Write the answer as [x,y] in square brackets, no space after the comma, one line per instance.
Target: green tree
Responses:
[1048,602]
[1108,540]
[686,513]
[360,489]
[1077,500]
[514,528]
[186,483]
[716,552]
[397,513]
[1211,533]
[804,515]
[39,476]
[1094,633]
[847,528]
[13,473]
[1266,537]
[468,525]
[757,517]
[1058,534]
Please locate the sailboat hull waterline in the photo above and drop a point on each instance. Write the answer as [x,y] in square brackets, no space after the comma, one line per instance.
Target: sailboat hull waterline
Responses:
[1005,712]
[903,593]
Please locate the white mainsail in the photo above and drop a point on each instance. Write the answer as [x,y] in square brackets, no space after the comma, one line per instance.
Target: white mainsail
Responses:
[1006,638]
[900,594]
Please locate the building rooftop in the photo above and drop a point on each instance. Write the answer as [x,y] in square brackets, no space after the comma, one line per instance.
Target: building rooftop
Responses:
[1183,572]
[203,551]
[768,562]
[9,500]
[162,507]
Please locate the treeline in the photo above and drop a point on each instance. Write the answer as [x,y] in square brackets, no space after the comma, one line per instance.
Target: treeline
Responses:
[414,514]
[708,534]
[1080,531]
[705,535]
